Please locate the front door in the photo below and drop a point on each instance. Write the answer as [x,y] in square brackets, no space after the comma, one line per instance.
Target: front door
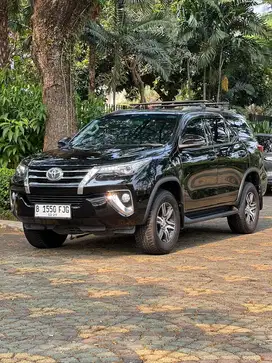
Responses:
[199,167]
[232,158]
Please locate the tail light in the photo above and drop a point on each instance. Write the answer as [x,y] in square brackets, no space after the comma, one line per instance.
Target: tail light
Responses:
[261,148]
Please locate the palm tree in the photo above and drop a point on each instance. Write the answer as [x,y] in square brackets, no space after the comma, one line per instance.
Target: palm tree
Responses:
[136,41]
[199,31]
[119,8]
[241,25]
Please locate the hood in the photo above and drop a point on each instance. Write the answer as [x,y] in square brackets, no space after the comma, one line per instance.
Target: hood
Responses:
[98,156]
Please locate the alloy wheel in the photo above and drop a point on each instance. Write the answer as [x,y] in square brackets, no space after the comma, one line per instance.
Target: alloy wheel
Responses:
[251,208]
[166,223]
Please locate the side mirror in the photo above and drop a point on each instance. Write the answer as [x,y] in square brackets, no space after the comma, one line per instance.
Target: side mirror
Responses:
[64,142]
[191,141]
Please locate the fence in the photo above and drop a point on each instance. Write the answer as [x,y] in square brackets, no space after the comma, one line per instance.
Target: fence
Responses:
[112,108]
[260,118]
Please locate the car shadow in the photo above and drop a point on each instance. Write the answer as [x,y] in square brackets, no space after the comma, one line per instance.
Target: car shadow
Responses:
[193,236]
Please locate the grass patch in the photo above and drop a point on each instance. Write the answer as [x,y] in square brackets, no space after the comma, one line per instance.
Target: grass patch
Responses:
[6,215]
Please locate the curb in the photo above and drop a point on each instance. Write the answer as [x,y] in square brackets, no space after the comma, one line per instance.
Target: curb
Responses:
[13,225]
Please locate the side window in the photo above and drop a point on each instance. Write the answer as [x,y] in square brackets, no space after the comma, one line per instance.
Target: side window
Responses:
[194,132]
[218,130]
[239,124]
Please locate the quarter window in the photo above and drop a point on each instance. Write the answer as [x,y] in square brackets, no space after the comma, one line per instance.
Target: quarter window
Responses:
[239,124]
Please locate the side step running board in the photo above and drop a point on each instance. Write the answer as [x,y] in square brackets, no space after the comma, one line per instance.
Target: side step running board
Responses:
[188,221]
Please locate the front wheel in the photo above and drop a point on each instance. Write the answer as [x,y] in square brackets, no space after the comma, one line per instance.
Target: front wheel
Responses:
[161,232]
[246,221]
[44,239]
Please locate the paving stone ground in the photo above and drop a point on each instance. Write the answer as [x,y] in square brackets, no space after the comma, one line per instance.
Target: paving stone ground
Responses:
[100,300]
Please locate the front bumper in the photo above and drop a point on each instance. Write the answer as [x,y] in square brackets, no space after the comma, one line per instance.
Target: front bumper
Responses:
[91,213]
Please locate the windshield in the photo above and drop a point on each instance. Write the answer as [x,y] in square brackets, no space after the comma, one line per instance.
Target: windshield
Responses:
[116,130]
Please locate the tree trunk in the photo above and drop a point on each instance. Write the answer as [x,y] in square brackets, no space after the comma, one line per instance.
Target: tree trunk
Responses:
[220,76]
[142,92]
[92,63]
[54,24]
[210,84]
[4,45]
[95,12]
[189,77]
[205,84]
[138,81]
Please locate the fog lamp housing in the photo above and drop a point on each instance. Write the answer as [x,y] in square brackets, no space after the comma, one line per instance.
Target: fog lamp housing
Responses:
[12,200]
[121,201]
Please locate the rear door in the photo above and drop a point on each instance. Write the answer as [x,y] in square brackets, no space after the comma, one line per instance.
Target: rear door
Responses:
[199,168]
[266,141]
[232,158]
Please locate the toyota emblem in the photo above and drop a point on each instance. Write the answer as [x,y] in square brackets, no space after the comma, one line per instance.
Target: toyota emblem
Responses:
[54,174]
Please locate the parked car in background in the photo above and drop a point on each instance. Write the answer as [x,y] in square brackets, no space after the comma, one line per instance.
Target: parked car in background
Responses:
[266,141]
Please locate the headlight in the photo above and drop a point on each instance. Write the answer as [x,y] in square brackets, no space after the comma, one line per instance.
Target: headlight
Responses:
[126,169]
[268,158]
[21,171]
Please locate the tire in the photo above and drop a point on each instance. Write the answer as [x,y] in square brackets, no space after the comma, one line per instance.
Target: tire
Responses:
[246,221]
[160,234]
[44,239]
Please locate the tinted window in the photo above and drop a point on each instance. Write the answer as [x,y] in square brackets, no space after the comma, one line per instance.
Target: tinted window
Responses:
[239,124]
[218,130]
[127,130]
[265,141]
[194,130]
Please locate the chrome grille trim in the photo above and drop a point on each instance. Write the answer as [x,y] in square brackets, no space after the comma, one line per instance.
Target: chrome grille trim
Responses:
[72,178]
[84,171]
[65,177]
[63,185]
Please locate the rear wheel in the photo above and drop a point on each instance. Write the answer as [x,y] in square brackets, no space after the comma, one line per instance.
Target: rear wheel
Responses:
[161,232]
[44,239]
[246,221]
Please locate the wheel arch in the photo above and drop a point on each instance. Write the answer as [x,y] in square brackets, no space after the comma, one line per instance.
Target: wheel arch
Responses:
[172,185]
[253,176]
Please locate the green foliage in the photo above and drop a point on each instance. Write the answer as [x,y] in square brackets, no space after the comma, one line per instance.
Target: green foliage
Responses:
[263,127]
[5,176]
[22,116]
[89,109]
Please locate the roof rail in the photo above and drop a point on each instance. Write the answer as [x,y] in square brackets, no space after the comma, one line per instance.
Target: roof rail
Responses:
[174,104]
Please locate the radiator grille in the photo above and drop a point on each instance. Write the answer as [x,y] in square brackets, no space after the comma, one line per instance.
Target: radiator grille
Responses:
[74,200]
[71,177]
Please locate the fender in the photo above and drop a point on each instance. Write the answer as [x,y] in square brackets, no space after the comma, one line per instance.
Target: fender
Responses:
[155,190]
[250,170]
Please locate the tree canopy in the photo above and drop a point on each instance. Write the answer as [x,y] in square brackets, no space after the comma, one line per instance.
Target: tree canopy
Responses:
[73,54]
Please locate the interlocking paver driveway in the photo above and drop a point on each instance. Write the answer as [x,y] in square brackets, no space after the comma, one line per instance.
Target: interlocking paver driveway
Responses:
[99,300]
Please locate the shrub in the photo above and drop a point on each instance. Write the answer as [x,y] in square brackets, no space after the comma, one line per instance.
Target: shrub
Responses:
[88,110]
[261,127]
[5,176]
[22,116]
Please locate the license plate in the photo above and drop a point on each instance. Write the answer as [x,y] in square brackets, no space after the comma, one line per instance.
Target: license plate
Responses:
[58,211]
[269,173]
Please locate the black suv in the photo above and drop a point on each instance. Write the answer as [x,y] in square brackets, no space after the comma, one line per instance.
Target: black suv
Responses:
[148,172]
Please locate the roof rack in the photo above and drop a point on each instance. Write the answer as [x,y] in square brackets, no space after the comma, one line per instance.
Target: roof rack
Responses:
[176,104]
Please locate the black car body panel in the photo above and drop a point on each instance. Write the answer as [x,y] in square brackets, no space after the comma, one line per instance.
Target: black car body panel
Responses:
[203,177]
[266,141]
